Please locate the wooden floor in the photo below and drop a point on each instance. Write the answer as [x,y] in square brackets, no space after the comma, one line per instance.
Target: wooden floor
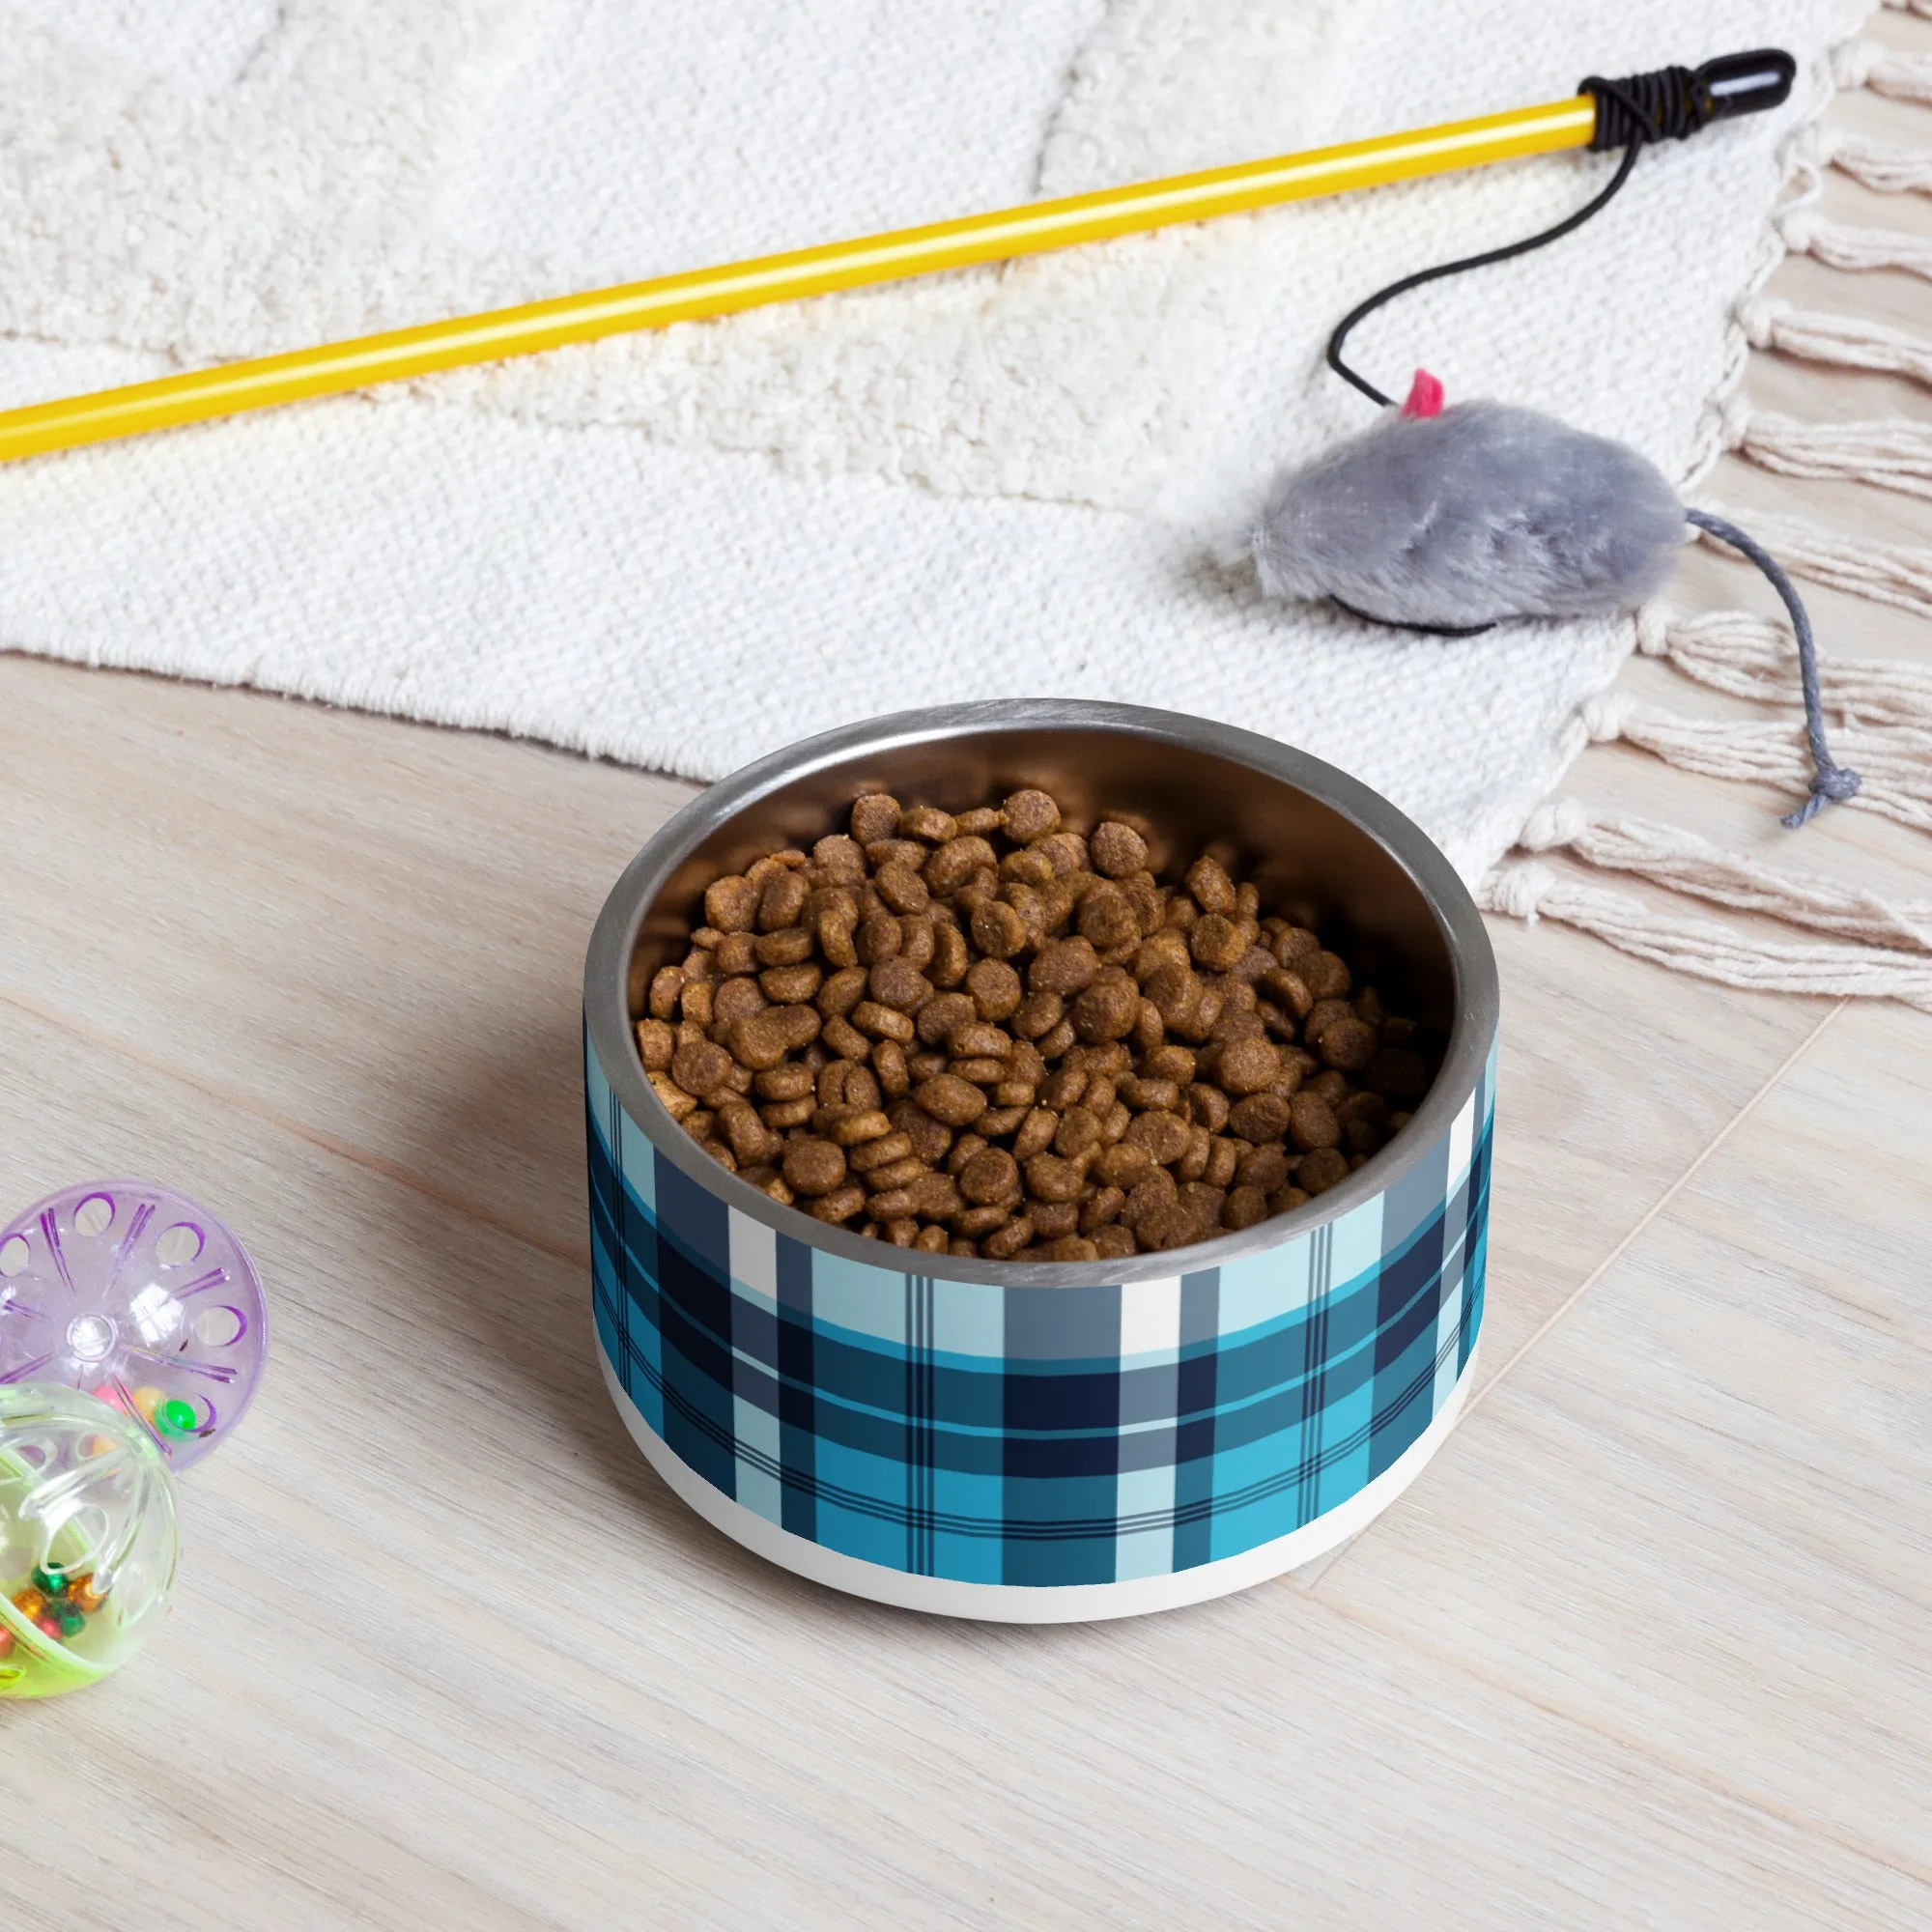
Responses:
[1645,1647]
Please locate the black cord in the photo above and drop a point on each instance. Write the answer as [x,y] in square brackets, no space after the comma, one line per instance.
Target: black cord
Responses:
[1667,105]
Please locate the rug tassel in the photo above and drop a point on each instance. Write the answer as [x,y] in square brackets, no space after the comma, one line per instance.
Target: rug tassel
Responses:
[1528,891]
[1884,573]
[1882,70]
[1814,335]
[1687,864]
[1894,765]
[1896,455]
[1879,165]
[1839,245]
[1751,657]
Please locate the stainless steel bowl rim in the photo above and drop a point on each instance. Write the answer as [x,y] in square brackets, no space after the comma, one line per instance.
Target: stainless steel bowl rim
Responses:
[1472,962]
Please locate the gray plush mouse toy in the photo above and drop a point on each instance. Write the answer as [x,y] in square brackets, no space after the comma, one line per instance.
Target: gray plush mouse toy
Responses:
[1454,519]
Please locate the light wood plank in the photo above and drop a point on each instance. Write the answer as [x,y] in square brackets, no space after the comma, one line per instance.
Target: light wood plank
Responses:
[446,1653]
[1696,1514]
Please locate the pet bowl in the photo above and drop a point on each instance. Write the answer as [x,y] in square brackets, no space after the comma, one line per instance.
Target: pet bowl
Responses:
[1039,1442]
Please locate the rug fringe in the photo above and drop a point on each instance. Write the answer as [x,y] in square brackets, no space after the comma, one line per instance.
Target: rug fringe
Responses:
[1814,335]
[1528,890]
[1880,165]
[1882,70]
[1895,574]
[1751,657]
[1894,454]
[1688,864]
[1840,245]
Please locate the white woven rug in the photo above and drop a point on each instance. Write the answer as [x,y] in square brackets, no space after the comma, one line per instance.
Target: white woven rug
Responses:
[686,550]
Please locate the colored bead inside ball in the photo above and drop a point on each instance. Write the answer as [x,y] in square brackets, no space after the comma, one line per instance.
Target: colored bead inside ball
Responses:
[87,1539]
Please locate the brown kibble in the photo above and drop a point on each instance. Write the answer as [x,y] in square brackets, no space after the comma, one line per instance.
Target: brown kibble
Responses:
[954,863]
[1151,1096]
[1397,1075]
[695,1003]
[666,985]
[721,1154]
[782,1115]
[1038,1015]
[929,822]
[736,954]
[1100,1209]
[1063,966]
[839,859]
[876,816]
[748,1136]
[991,1175]
[1170,1227]
[1108,919]
[1312,1123]
[902,889]
[888,1064]
[701,1068]
[1330,1086]
[1223,1156]
[982,1072]
[877,938]
[790,947]
[1326,974]
[994,989]
[1350,1045]
[1321,1169]
[656,1043]
[1072,1248]
[1193,1164]
[894,982]
[1205,1203]
[1065,1087]
[781,901]
[838,995]
[1030,868]
[932,1240]
[1117,849]
[950,1100]
[785,985]
[1108,1007]
[1049,1178]
[1001,1120]
[973,1038]
[892,1174]
[1216,942]
[678,1103]
[1261,1117]
[998,930]
[840,1205]
[731,905]
[1005,1242]
[1037,1132]
[871,1155]
[849,1131]
[1243,1207]
[1289,989]
[1210,887]
[1028,816]
[1264,1168]
[813,1166]
[1124,1164]
[1294,945]
[930,1140]
[1079,1130]
[1208,1107]
[942,1015]
[976,1223]
[1247,1067]
[1163,1137]
[1321,1016]
[1286,1199]
[882,1022]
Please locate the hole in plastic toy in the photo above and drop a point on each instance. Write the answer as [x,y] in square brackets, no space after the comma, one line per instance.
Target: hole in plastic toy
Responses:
[15,1255]
[177,1246]
[94,1215]
[220,1327]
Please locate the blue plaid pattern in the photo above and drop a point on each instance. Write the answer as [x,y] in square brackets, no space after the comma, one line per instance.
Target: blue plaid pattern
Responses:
[1006,1435]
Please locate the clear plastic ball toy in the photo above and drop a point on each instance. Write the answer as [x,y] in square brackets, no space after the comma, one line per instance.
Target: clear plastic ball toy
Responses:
[87,1539]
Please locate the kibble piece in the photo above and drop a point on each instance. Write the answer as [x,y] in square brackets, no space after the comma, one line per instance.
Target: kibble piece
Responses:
[1312,1123]
[840,1205]
[787,986]
[1117,849]
[902,889]
[876,816]
[813,1166]
[1107,918]
[1028,815]
[883,1151]
[1243,1207]
[1163,1137]
[1349,1045]
[998,930]
[1210,886]
[701,1067]
[950,1100]
[731,905]
[1038,1015]
[1063,966]
[1170,1227]
[1208,1107]
[956,862]
[1108,1007]
[896,983]
[932,1240]
[995,989]
[1216,942]
[881,1021]
[1321,1169]
[1049,1178]
[679,1105]
[1037,1132]
[666,986]
[840,860]
[1125,1164]
[991,1175]
[1005,1242]
[1261,1117]
[850,1129]
[1079,1130]
[1326,974]
[1330,1086]
[1397,1075]
[1115,1243]
[1247,1067]
[656,1043]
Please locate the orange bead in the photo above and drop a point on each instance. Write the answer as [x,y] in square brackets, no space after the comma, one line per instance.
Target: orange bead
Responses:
[30,1602]
[82,1595]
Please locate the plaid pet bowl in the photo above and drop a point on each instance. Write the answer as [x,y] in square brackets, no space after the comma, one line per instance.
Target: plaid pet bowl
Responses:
[1039,1442]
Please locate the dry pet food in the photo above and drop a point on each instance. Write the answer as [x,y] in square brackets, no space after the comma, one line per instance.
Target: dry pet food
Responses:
[992,1035]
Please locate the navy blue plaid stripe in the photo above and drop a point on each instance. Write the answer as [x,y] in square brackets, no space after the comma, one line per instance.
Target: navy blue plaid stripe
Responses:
[1021,1436]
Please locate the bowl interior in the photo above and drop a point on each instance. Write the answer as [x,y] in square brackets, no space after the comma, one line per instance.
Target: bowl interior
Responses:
[1309,860]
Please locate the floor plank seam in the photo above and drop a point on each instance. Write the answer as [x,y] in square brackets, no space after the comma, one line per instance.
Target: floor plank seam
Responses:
[361,1157]
[1720,1786]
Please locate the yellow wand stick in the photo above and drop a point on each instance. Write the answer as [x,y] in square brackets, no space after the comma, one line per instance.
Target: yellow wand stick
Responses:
[1737,84]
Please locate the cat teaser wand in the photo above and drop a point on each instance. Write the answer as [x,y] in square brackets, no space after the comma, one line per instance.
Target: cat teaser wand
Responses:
[1597,117]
